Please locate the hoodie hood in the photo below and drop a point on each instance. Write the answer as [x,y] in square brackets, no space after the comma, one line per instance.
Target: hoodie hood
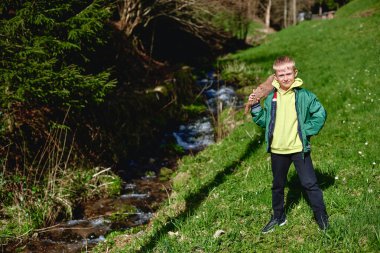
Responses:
[297,83]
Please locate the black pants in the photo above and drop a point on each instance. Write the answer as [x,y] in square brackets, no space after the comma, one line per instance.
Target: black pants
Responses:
[306,174]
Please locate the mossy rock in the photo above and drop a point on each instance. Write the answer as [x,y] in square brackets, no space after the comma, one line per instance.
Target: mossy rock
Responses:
[165,174]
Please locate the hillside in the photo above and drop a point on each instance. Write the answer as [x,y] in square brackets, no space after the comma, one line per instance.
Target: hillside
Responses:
[227,186]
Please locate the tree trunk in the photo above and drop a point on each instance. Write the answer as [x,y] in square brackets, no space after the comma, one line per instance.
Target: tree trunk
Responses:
[294,12]
[131,16]
[267,14]
[285,13]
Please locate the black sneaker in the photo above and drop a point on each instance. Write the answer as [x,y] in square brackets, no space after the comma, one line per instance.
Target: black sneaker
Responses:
[322,221]
[274,222]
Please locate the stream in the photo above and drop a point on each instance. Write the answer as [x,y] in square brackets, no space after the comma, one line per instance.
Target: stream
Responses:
[140,197]
[199,133]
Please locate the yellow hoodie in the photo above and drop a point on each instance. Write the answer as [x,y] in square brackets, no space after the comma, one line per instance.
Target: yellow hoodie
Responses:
[285,135]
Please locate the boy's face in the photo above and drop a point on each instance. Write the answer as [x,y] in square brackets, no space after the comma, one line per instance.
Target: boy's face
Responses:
[286,77]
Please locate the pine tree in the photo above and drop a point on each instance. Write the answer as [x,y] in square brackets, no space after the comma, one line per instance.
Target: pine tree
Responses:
[44,53]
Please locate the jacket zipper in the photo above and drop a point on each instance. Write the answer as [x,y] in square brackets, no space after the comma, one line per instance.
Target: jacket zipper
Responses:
[299,124]
[273,119]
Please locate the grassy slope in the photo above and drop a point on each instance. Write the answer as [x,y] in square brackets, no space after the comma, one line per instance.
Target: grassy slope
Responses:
[227,186]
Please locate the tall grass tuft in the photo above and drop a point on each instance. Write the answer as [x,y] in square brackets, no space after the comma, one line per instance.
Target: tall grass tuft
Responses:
[49,188]
[239,72]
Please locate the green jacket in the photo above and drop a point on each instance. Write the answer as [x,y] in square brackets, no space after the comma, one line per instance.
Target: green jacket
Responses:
[310,114]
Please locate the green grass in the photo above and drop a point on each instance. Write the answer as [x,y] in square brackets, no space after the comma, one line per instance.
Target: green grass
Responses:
[359,8]
[227,186]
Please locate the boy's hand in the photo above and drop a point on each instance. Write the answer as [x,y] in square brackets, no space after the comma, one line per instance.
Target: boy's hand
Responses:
[252,99]
[262,91]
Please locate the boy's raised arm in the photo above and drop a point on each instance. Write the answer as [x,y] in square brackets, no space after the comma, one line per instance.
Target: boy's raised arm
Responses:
[260,92]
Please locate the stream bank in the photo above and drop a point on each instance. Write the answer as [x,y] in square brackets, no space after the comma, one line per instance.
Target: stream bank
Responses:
[144,188]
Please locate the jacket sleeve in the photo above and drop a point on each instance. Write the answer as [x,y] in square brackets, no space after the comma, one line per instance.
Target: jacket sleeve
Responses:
[258,115]
[316,119]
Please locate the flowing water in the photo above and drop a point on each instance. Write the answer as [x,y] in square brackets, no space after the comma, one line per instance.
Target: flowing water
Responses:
[199,133]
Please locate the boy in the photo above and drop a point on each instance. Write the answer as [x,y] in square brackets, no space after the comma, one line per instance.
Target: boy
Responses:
[291,115]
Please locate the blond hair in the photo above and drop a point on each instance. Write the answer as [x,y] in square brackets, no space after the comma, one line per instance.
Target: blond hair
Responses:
[284,62]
